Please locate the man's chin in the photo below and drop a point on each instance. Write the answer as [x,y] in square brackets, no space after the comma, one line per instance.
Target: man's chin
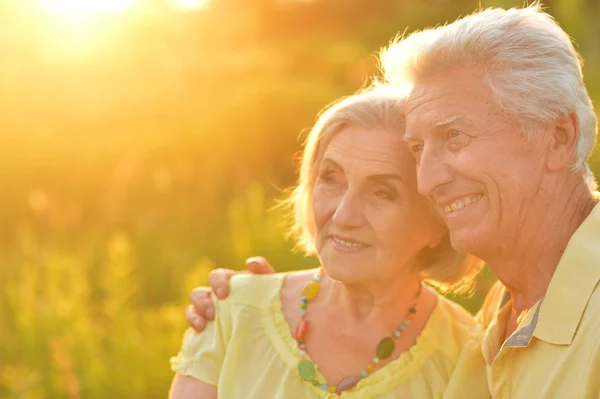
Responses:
[465,240]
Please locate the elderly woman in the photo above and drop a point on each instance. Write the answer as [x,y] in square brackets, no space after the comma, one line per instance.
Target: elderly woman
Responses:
[364,325]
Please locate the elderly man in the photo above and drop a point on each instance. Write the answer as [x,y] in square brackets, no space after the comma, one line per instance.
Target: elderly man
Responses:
[501,127]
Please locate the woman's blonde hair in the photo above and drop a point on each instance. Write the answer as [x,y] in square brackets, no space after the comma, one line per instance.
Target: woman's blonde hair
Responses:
[374,108]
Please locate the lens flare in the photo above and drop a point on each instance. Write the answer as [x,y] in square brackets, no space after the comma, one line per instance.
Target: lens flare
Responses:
[83,7]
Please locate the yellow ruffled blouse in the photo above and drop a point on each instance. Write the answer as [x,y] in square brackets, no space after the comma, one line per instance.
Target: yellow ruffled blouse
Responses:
[249,352]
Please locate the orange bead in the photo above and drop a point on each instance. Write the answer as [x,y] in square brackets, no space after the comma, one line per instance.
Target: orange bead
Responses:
[302,329]
[410,316]
[370,367]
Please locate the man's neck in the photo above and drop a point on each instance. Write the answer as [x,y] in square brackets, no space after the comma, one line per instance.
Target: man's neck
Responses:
[527,265]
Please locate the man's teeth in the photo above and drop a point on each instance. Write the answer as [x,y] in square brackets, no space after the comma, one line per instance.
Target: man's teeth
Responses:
[461,203]
[348,244]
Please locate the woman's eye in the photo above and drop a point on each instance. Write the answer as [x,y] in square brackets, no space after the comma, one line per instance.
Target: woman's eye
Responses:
[328,176]
[385,194]
[416,148]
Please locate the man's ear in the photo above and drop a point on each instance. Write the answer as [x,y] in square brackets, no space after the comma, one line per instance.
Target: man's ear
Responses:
[563,141]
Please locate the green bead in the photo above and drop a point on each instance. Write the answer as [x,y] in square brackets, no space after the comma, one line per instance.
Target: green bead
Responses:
[316,383]
[385,348]
[307,370]
[302,305]
[301,341]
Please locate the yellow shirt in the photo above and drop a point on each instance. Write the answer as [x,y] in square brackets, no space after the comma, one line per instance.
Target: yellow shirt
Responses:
[249,352]
[555,351]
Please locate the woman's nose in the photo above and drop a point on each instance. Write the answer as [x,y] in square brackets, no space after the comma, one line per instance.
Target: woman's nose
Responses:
[348,212]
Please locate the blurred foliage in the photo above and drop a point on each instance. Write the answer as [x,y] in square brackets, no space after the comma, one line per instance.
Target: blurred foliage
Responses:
[139,151]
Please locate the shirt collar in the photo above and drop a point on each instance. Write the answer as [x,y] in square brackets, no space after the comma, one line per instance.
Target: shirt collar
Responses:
[572,285]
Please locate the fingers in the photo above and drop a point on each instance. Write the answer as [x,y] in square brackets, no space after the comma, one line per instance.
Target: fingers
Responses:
[195,321]
[219,282]
[202,303]
[259,265]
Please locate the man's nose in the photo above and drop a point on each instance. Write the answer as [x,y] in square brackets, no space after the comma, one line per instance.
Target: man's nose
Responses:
[433,171]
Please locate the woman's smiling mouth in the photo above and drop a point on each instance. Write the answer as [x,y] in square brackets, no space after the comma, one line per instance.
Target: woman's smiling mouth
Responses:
[346,244]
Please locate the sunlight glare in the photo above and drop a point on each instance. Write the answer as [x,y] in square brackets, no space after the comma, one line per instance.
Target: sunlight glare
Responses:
[82,7]
[189,5]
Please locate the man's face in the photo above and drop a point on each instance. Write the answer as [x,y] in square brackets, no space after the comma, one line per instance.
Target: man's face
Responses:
[473,160]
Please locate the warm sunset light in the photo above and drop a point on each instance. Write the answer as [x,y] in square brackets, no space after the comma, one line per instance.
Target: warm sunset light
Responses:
[189,4]
[82,7]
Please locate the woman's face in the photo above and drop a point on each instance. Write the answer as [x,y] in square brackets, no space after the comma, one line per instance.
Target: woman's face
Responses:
[370,221]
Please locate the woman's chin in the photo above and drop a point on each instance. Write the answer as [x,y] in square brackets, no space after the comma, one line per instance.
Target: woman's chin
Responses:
[346,273]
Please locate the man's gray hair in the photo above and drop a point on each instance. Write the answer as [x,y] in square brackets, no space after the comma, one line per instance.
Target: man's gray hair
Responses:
[532,68]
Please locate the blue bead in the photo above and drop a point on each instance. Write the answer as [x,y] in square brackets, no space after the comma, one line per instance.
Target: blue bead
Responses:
[364,373]
[324,387]
[304,299]
[302,312]
[402,328]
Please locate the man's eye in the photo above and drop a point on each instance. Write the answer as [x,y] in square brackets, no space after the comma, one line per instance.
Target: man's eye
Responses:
[457,135]
[454,134]
[457,139]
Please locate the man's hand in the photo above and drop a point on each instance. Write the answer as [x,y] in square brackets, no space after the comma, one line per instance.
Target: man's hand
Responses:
[202,309]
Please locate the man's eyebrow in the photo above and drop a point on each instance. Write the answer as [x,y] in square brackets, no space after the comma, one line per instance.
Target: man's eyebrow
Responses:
[448,120]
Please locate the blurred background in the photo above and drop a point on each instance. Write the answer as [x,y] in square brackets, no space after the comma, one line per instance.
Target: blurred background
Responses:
[144,142]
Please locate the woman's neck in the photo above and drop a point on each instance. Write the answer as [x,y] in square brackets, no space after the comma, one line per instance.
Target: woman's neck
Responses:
[348,321]
[376,299]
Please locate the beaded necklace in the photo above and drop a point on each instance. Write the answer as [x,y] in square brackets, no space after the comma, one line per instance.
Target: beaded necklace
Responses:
[307,368]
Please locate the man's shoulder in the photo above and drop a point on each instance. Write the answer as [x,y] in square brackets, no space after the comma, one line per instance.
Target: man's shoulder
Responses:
[591,315]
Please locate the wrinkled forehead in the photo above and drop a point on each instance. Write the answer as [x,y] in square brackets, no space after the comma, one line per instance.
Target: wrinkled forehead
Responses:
[376,149]
[447,98]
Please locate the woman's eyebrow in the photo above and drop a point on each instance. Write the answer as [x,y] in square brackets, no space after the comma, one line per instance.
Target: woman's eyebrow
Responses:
[385,176]
[332,162]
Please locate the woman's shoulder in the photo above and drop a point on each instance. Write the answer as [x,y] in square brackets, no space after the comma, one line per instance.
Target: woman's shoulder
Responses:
[254,289]
[259,290]
[455,312]
[454,325]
